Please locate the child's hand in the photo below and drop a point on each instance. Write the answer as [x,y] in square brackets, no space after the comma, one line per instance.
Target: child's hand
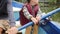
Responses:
[38,18]
[13,30]
[34,20]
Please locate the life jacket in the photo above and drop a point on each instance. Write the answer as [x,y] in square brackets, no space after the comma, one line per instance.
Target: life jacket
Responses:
[3,8]
[23,19]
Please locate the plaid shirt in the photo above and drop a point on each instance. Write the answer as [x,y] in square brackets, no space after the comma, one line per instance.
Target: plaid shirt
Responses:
[28,15]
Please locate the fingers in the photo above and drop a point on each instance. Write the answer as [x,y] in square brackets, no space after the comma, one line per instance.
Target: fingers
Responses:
[13,30]
[38,18]
[34,20]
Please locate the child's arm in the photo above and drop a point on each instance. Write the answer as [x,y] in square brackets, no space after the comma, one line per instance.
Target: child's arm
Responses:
[28,15]
[39,14]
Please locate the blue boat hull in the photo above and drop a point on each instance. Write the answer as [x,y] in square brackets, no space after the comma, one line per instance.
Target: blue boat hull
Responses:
[49,28]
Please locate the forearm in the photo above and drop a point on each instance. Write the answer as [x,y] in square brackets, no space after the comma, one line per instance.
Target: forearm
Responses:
[10,13]
[39,13]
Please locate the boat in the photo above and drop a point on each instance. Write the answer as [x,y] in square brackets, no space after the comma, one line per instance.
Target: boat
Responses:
[51,27]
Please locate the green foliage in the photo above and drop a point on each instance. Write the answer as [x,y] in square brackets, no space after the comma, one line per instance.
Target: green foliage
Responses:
[51,6]
[19,0]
